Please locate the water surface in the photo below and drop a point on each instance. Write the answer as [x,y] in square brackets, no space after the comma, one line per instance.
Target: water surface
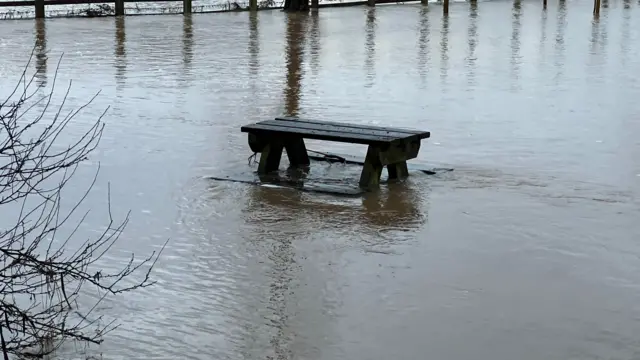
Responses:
[527,250]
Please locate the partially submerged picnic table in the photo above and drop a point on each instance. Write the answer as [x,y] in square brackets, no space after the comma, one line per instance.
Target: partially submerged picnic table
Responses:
[390,147]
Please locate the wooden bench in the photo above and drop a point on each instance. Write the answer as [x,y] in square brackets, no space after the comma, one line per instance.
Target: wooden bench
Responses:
[390,147]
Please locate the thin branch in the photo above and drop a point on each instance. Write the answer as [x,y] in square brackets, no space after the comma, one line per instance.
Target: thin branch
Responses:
[35,263]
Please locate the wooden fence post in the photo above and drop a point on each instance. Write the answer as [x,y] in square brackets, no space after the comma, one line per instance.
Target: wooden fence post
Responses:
[445,7]
[315,4]
[39,9]
[253,5]
[119,7]
[371,2]
[186,6]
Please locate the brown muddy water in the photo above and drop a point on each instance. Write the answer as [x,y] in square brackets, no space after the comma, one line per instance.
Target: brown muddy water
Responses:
[529,249]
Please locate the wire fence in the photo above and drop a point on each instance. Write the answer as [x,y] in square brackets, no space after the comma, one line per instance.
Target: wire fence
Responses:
[90,8]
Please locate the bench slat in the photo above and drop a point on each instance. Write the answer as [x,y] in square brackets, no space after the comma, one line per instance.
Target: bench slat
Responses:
[266,129]
[347,127]
[340,130]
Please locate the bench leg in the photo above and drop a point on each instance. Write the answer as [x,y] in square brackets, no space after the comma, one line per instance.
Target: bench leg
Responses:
[297,153]
[398,171]
[270,158]
[372,169]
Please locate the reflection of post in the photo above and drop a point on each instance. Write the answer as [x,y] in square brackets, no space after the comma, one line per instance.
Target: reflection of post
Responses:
[515,38]
[559,45]
[370,45]
[423,42]
[254,44]
[187,40]
[595,32]
[41,55]
[444,48]
[472,34]
[120,50]
[294,53]
[624,41]
[543,36]
[314,42]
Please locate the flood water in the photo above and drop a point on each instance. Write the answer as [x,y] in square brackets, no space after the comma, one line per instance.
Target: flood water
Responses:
[527,250]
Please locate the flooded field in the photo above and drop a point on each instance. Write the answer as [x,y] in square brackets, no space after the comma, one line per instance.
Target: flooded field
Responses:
[527,250]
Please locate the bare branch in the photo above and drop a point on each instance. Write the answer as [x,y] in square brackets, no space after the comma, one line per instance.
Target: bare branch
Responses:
[40,279]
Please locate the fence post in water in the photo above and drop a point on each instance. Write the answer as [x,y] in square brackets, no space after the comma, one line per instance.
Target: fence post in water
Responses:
[39,9]
[425,2]
[253,5]
[186,6]
[371,2]
[445,7]
[315,4]
[119,7]
[596,7]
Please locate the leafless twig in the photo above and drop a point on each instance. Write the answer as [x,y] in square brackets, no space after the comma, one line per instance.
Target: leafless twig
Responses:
[40,278]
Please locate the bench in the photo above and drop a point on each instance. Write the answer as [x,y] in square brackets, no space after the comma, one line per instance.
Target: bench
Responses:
[390,147]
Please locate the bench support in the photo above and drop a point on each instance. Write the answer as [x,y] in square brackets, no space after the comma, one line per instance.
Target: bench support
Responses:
[372,169]
[398,171]
[394,156]
[297,152]
[270,157]
[271,152]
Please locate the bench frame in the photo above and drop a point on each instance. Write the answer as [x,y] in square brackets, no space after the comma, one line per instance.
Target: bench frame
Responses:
[392,154]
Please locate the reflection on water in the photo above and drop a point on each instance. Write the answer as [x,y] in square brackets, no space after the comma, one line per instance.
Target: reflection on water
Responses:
[294,52]
[472,39]
[423,43]
[41,52]
[314,42]
[516,13]
[542,45]
[399,206]
[187,42]
[444,50]
[626,36]
[546,182]
[120,51]
[370,46]
[560,48]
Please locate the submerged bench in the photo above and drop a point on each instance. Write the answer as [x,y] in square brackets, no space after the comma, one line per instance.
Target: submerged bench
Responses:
[390,147]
